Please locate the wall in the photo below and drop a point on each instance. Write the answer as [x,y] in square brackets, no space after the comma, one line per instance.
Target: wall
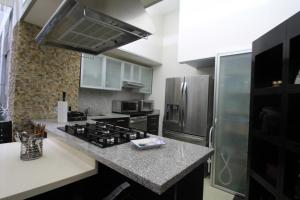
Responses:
[170,66]
[38,76]
[216,26]
[149,48]
[99,101]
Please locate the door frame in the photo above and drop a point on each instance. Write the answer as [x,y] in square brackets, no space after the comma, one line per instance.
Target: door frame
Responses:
[212,137]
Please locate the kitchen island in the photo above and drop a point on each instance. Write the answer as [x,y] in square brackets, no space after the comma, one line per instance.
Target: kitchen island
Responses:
[174,170]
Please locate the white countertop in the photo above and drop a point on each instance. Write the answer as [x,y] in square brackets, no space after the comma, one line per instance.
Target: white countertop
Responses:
[60,165]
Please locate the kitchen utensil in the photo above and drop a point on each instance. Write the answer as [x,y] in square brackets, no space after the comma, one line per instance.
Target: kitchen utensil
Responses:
[31,144]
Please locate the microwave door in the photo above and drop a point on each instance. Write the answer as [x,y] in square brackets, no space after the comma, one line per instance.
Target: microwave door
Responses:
[173,104]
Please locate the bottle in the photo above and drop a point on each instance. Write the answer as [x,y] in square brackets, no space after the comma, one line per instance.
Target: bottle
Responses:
[62,110]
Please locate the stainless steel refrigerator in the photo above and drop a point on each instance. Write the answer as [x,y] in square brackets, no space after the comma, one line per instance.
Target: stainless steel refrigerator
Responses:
[188,108]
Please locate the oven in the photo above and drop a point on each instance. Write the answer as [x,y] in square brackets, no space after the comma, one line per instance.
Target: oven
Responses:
[138,122]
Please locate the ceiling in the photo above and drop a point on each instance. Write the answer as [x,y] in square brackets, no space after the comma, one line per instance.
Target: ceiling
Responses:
[41,10]
[163,7]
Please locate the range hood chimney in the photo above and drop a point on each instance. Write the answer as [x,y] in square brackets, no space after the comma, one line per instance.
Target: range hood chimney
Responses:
[95,26]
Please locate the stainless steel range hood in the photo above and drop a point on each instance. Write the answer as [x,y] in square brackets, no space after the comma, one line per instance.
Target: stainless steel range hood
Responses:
[132,85]
[95,26]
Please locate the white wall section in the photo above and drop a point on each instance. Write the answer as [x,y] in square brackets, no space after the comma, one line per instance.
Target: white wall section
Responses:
[170,66]
[209,27]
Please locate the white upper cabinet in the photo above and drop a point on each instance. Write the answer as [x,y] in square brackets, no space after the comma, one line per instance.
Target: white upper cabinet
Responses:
[146,79]
[210,27]
[106,73]
[136,73]
[113,79]
[131,72]
[127,71]
[92,71]
[100,72]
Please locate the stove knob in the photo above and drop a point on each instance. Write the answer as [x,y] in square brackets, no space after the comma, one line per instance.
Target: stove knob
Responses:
[116,140]
[104,142]
[145,134]
[128,137]
[66,128]
[138,135]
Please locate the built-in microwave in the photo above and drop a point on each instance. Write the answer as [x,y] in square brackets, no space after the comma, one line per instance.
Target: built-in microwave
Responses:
[145,105]
[120,106]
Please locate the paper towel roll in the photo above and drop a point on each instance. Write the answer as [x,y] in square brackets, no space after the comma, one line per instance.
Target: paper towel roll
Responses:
[62,111]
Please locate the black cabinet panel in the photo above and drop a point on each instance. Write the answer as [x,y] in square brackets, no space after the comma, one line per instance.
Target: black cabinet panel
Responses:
[274,141]
[153,124]
[293,26]
[5,132]
[269,40]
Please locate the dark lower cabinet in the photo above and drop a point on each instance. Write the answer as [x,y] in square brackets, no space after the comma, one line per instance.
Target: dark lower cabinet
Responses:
[81,190]
[5,132]
[107,181]
[274,139]
[153,124]
[188,188]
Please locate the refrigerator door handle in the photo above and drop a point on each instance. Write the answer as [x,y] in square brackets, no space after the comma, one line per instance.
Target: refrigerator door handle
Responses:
[185,96]
[210,140]
[210,145]
[180,106]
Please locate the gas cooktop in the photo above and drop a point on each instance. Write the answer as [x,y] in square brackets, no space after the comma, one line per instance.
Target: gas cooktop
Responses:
[103,134]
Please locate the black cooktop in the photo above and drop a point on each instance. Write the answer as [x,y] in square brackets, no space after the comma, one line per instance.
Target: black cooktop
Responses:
[103,134]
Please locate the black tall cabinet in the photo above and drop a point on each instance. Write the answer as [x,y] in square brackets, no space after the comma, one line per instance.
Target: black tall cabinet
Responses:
[274,139]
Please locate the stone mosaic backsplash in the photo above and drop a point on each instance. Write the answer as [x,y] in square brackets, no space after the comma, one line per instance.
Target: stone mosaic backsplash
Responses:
[38,76]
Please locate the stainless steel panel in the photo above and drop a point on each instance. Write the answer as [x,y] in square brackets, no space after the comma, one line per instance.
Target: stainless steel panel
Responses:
[139,123]
[196,105]
[185,137]
[173,104]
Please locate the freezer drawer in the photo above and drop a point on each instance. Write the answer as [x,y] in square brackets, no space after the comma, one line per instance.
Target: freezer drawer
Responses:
[185,137]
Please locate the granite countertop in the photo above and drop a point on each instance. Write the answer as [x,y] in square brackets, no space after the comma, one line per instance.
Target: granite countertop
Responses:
[156,169]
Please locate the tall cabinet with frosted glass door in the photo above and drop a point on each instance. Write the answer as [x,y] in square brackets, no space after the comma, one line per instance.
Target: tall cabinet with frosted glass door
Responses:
[229,134]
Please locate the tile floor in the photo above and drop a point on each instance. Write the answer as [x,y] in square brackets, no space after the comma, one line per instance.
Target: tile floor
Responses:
[211,193]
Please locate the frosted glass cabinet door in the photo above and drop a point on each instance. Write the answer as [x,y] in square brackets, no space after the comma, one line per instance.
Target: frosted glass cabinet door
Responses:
[113,74]
[146,79]
[231,122]
[136,73]
[127,72]
[91,71]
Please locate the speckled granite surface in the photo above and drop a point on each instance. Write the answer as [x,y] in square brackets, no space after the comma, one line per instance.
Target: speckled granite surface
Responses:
[156,169]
